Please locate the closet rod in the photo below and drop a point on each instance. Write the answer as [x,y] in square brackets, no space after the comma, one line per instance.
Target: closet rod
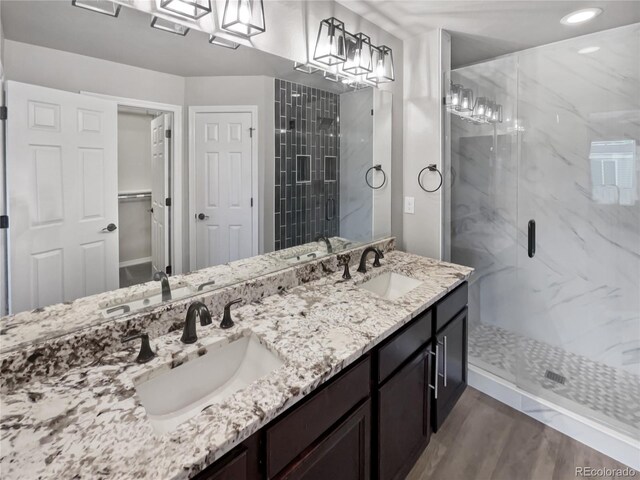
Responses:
[128,196]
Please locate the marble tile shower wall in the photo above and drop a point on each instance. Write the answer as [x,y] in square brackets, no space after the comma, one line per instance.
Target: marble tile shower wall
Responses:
[580,291]
[307,164]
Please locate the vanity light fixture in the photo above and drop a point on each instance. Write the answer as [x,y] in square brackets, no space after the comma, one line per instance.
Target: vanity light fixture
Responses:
[581,16]
[331,76]
[243,17]
[455,94]
[496,115]
[223,42]
[331,44]
[168,26]
[466,100]
[99,6]
[193,9]
[480,108]
[382,62]
[359,54]
[305,67]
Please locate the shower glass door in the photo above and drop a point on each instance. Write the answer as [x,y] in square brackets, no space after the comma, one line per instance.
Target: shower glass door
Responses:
[579,292]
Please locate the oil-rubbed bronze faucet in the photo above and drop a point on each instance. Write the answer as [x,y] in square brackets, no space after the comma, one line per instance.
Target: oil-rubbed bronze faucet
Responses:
[145,353]
[362,268]
[227,322]
[196,310]
[164,281]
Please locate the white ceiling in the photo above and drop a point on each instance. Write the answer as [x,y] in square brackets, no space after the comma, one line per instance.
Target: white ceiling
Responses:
[129,39]
[486,29]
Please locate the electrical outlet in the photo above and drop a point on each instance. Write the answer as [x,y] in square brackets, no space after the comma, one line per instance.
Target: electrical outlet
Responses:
[409,205]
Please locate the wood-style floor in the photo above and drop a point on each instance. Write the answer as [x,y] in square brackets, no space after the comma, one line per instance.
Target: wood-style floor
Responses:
[484,439]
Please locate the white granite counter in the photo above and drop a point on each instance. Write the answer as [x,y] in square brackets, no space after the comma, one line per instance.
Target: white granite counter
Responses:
[88,422]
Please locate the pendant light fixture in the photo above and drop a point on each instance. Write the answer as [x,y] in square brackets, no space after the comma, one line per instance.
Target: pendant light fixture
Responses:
[243,17]
[193,9]
[454,98]
[331,43]
[358,54]
[382,62]
[169,26]
[466,100]
[480,108]
[99,6]
[223,42]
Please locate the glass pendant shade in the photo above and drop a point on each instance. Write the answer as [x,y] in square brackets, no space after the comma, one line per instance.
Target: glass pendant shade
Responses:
[193,9]
[332,77]
[168,26]
[382,63]
[331,43]
[455,93]
[466,100]
[99,6]
[496,115]
[305,67]
[223,42]
[480,108]
[358,54]
[243,17]
[488,113]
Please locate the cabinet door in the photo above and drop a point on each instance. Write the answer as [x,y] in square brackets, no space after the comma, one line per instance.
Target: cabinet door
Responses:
[403,417]
[344,453]
[452,367]
[241,463]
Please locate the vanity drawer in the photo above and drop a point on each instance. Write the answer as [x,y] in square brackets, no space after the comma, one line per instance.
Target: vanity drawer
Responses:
[297,430]
[450,306]
[403,345]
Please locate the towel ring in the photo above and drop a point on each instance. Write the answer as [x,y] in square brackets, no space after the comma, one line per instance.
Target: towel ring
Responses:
[379,169]
[431,168]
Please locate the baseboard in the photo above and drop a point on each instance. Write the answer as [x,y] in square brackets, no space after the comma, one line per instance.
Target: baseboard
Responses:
[135,261]
[620,447]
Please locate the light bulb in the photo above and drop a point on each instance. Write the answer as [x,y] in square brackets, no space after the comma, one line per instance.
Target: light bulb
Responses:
[244,14]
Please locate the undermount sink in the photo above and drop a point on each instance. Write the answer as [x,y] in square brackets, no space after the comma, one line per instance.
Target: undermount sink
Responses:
[390,285]
[180,394]
[136,304]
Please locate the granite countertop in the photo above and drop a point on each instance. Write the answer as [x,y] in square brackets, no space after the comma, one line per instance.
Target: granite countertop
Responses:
[88,422]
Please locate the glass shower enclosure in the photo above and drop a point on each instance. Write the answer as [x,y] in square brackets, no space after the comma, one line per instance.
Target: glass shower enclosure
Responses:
[543,170]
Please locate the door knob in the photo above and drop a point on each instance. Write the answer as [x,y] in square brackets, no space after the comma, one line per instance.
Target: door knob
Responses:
[202,216]
[110,228]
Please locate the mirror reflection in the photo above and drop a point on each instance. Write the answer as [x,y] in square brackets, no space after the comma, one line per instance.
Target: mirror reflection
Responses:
[135,156]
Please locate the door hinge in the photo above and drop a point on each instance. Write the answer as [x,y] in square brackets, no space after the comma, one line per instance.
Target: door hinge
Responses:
[167,202]
[168,269]
[251,201]
[4,113]
[4,221]
[251,129]
[372,112]
[167,133]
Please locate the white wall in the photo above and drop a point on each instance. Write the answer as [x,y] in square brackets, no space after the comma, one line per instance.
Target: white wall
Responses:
[134,174]
[425,57]
[383,156]
[245,90]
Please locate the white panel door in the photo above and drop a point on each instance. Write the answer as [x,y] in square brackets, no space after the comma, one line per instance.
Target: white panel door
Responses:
[160,157]
[62,183]
[223,173]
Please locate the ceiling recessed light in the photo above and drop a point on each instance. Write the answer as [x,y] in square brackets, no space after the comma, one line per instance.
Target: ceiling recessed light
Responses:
[581,16]
[586,50]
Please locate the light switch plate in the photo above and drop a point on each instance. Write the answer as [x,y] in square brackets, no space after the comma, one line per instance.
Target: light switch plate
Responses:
[409,205]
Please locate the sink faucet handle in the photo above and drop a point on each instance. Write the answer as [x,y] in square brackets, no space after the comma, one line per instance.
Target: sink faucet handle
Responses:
[145,353]
[380,252]
[344,261]
[227,321]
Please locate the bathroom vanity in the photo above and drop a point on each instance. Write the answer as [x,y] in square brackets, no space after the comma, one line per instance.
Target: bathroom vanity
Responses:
[351,383]
[372,420]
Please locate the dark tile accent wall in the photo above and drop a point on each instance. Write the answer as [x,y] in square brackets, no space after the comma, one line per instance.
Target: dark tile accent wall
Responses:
[307,123]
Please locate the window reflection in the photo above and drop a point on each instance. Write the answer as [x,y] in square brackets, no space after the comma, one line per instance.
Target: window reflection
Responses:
[613,172]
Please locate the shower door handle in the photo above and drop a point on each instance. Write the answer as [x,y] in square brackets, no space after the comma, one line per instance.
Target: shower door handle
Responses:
[531,241]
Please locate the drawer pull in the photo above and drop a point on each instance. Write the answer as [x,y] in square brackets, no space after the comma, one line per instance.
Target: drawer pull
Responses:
[444,360]
[435,387]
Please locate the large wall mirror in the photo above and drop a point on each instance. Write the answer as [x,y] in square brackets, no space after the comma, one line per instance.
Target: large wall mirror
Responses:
[136,147]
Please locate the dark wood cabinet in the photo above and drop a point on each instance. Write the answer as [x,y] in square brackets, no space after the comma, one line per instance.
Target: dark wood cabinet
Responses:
[241,463]
[344,453]
[451,374]
[403,417]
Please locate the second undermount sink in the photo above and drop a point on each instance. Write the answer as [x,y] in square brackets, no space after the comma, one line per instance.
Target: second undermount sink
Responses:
[180,394]
[390,285]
